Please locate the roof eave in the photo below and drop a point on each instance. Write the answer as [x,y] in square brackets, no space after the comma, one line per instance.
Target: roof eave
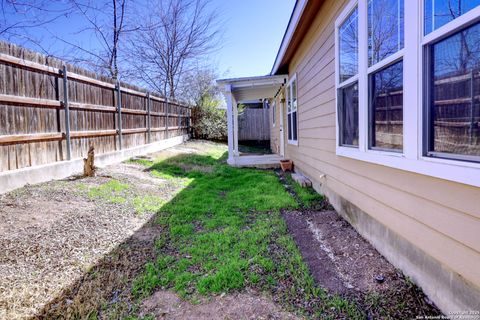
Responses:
[253,81]
[289,32]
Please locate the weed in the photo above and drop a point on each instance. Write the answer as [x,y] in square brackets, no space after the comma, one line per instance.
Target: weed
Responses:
[147,203]
[112,191]
[308,196]
[225,232]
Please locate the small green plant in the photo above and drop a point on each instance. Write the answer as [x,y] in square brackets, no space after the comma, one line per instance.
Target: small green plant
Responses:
[147,203]
[112,191]
[308,196]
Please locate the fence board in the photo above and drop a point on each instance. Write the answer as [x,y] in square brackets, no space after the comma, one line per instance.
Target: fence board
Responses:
[253,124]
[33,118]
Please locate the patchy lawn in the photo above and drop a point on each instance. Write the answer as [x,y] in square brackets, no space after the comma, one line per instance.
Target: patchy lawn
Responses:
[177,235]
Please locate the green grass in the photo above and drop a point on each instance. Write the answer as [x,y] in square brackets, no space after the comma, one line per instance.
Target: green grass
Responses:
[113,191]
[225,233]
[307,196]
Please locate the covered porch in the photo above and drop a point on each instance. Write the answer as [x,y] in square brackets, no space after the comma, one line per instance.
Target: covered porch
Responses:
[246,90]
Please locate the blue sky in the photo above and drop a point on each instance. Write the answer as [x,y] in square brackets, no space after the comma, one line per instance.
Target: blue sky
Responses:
[253,33]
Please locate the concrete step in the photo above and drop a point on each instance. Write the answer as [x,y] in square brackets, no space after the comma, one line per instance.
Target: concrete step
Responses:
[301,180]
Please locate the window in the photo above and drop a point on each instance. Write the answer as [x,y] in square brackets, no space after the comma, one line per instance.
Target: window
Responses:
[349,115]
[385,29]
[292,111]
[347,88]
[453,111]
[385,40]
[348,37]
[441,12]
[274,112]
[407,79]
[386,112]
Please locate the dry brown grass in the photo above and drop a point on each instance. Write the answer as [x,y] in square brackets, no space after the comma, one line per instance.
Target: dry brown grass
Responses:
[66,251]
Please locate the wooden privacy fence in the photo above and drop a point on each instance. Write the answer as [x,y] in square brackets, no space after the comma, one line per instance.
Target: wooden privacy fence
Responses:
[254,124]
[50,111]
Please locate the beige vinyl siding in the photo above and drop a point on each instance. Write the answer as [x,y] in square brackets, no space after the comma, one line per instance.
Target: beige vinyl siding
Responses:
[440,217]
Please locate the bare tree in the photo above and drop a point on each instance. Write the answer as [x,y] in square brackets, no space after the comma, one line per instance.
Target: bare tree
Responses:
[19,17]
[107,20]
[198,86]
[174,34]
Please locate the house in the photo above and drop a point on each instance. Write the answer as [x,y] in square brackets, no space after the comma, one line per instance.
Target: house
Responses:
[378,103]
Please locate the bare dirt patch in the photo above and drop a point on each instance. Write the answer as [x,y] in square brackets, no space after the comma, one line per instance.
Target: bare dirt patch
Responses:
[64,250]
[70,254]
[344,263]
[249,305]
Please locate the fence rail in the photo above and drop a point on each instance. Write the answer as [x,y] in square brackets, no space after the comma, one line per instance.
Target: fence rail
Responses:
[51,111]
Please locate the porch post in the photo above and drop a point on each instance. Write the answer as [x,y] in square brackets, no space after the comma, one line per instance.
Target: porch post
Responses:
[235,126]
[229,98]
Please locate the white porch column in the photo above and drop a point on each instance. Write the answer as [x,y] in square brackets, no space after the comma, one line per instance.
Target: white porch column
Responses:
[235,126]
[230,124]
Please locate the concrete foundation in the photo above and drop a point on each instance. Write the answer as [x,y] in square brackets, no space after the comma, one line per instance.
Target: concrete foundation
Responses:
[446,288]
[14,179]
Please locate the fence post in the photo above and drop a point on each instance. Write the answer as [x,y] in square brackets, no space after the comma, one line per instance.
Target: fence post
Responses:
[67,112]
[166,118]
[149,124]
[119,115]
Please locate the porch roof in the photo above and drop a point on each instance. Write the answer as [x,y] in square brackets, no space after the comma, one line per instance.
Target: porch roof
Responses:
[253,88]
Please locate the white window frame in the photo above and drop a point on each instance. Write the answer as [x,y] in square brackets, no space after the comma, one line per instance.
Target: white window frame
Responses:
[338,84]
[289,96]
[412,158]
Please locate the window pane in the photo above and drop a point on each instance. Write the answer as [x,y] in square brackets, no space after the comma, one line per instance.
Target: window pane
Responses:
[386,113]
[348,113]
[455,109]
[440,12]
[289,122]
[385,29]
[294,125]
[348,47]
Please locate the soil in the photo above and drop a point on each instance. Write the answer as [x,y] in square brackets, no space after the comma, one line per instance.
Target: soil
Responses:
[249,305]
[344,263]
[63,250]
[67,256]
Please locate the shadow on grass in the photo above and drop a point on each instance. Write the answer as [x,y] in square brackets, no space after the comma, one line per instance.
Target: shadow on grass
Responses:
[222,232]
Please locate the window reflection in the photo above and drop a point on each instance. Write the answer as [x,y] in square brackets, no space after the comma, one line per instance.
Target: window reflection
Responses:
[455,104]
[349,115]
[385,29]
[348,39]
[440,12]
[387,108]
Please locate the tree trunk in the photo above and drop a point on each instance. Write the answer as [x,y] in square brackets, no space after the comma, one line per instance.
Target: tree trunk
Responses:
[88,163]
